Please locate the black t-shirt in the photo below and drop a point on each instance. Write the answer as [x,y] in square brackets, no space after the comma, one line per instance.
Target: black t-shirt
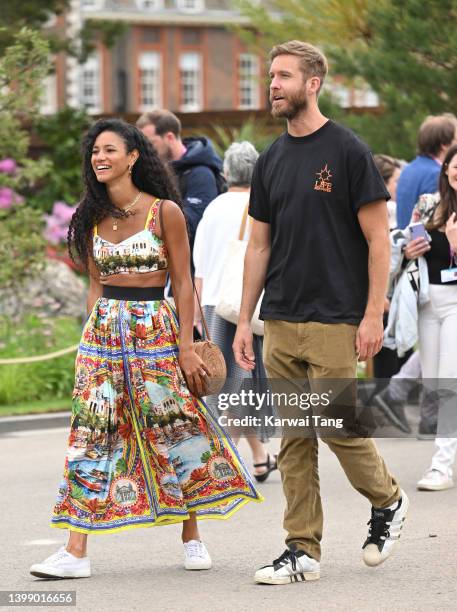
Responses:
[309,190]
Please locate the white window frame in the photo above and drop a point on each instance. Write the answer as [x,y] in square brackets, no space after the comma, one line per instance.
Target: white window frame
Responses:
[149,5]
[191,76]
[150,76]
[92,5]
[248,80]
[48,104]
[191,6]
[93,103]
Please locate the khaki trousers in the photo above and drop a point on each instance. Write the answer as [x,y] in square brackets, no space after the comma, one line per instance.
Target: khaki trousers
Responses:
[320,351]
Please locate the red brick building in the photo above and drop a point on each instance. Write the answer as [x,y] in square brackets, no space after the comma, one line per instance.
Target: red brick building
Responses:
[178,54]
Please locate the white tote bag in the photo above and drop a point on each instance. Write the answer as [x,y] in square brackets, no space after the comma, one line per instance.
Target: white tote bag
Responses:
[229,302]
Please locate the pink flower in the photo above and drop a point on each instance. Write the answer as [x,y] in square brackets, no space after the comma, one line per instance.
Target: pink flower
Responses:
[8,166]
[6,197]
[57,223]
[63,212]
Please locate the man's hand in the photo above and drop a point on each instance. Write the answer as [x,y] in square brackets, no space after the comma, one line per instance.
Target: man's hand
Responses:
[242,347]
[369,337]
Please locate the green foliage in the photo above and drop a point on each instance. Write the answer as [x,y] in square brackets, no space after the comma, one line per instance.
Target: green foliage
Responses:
[320,22]
[22,69]
[43,379]
[405,51]
[106,31]
[21,246]
[30,13]
[61,133]
[254,131]
[410,60]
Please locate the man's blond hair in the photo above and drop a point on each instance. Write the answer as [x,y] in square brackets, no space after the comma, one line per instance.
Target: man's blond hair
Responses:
[312,61]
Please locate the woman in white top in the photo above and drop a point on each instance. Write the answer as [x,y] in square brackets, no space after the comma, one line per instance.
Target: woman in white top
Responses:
[221,224]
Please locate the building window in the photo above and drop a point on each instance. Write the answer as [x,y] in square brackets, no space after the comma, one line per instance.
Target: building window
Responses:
[90,85]
[149,5]
[248,80]
[150,81]
[191,5]
[190,79]
[92,5]
[49,96]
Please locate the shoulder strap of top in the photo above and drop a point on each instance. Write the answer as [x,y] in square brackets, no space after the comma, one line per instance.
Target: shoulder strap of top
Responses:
[152,215]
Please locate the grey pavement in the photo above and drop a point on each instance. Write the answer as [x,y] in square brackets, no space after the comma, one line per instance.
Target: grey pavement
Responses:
[142,569]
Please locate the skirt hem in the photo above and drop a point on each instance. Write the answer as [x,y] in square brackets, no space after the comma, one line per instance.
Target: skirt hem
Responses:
[165,520]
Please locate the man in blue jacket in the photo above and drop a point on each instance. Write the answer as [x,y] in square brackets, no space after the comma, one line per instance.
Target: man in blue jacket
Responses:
[194,161]
[436,135]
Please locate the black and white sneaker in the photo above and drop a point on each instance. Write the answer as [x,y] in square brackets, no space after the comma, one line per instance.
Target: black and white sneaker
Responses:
[384,531]
[291,566]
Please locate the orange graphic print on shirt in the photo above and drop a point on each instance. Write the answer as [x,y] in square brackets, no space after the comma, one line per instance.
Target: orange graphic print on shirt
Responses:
[323,182]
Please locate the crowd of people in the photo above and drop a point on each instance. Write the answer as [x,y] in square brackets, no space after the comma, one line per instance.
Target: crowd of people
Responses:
[353,257]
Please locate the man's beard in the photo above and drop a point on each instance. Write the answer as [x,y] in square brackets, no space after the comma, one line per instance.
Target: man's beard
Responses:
[294,105]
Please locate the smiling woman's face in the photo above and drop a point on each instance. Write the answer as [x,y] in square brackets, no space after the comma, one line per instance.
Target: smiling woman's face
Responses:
[110,159]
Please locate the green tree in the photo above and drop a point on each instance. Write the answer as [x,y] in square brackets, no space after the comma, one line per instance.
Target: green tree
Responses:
[410,60]
[405,51]
[22,69]
[28,13]
[35,14]
[323,22]
[61,134]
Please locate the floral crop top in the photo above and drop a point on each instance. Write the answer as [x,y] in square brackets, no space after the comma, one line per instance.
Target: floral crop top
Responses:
[139,253]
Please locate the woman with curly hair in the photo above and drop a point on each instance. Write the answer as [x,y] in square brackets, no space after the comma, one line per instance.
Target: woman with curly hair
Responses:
[142,451]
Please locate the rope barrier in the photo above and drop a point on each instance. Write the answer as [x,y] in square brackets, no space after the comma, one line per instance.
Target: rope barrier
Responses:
[16,360]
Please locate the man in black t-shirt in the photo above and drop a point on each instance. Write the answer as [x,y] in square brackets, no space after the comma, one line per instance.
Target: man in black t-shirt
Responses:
[319,247]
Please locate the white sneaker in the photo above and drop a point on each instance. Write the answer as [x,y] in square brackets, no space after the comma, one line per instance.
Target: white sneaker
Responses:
[197,557]
[62,564]
[385,530]
[434,480]
[291,566]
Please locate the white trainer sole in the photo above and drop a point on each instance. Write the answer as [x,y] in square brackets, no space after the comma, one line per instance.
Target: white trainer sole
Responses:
[198,566]
[371,555]
[304,577]
[41,572]
[435,487]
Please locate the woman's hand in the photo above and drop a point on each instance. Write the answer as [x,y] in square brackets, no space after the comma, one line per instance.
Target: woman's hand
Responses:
[415,248]
[451,231]
[193,367]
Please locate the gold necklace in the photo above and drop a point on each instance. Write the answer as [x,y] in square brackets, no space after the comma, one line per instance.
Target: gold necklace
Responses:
[126,210]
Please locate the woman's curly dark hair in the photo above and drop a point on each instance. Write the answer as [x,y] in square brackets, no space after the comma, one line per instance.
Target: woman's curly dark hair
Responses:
[149,175]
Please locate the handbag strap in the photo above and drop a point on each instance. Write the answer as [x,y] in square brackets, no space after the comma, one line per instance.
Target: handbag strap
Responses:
[162,228]
[243,222]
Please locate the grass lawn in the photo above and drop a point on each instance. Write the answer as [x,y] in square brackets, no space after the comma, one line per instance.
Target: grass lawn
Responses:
[36,407]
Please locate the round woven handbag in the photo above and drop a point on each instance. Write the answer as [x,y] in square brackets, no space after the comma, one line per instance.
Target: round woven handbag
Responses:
[212,357]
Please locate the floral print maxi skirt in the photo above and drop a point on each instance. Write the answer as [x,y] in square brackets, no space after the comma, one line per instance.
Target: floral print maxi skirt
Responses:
[142,450]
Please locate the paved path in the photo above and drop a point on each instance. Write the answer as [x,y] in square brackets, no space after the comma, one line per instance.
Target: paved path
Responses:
[141,569]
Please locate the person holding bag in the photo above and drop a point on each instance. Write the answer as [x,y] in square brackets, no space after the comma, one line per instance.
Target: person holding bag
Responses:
[223,225]
[143,450]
